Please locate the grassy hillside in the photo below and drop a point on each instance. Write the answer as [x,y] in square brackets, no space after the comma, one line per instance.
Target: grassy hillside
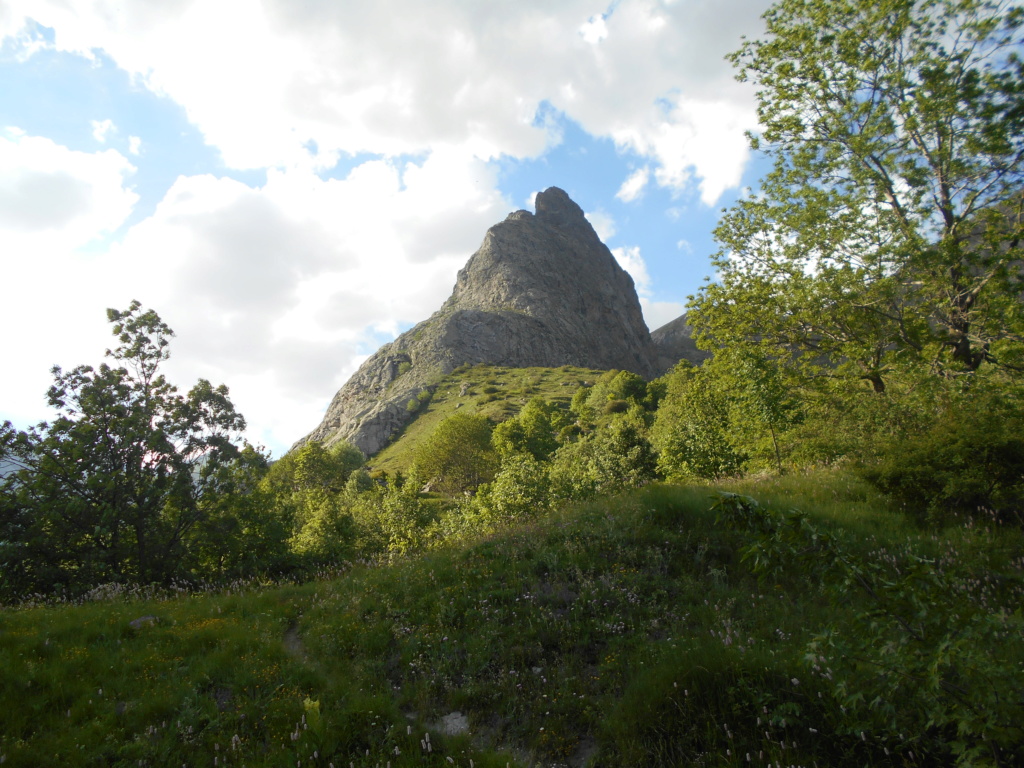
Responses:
[621,633]
[497,393]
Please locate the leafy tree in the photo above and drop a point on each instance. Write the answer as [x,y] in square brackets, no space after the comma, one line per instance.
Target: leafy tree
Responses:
[314,467]
[520,490]
[889,228]
[111,489]
[308,487]
[692,429]
[390,519]
[458,455]
[616,456]
[533,430]
[761,400]
[968,462]
[242,530]
[614,392]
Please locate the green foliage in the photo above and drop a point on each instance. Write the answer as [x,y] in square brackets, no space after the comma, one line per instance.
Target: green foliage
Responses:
[243,530]
[920,671]
[113,487]
[358,482]
[689,706]
[888,230]
[458,455]
[306,487]
[390,519]
[614,392]
[969,462]
[490,391]
[615,457]
[421,400]
[625,630]
[520,490]
[691,429]
[313,467]
[533,431]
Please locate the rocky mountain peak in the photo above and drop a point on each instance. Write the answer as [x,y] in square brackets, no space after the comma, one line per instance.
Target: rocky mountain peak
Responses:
[556,209]
[542,290]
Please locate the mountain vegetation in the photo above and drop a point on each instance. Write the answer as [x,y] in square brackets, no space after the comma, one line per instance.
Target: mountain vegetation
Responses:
[806,550]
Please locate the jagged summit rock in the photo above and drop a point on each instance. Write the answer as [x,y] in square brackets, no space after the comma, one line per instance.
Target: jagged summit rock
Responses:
[542,290]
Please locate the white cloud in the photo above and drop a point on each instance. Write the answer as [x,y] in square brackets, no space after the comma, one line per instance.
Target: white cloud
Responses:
[279,291]
[602,223]
[656,313]
[595,30]
[694,139]
[264,79]
[631,261]
[634,185]
[659,313]
[101,129]
[49,192]
[55,205]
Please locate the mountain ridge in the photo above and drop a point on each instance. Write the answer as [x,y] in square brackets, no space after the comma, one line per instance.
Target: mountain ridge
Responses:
[542,290]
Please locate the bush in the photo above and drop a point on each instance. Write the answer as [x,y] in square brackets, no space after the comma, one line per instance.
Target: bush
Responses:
[927,661]
[458,455]
[520,490]
[970,466]
[692,430]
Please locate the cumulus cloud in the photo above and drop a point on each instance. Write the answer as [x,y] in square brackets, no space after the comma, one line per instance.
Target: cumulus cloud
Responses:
[265,81]
[50,191]
[630,260]
[656,313]
[280,290]
[56,205]
[602,223]
[659,313]
[634,185]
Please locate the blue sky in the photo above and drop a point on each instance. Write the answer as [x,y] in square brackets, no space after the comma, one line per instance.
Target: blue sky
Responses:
[291,184]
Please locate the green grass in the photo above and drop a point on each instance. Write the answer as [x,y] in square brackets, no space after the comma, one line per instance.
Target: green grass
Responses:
[620,633]
[497,393]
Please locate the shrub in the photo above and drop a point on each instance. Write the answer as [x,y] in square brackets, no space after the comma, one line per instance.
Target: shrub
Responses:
[966,467]
[616,406]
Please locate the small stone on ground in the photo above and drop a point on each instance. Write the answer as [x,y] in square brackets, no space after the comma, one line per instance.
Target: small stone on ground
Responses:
[454,724]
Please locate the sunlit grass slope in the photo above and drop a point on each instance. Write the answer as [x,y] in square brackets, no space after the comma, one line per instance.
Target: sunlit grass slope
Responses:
[622,633]
[497,393]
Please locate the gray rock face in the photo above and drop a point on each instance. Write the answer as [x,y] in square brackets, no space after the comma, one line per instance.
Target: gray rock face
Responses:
[674,342]
[542,290]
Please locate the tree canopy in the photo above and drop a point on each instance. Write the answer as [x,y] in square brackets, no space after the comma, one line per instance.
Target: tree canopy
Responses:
[458,455]
[889,228]
[110,488]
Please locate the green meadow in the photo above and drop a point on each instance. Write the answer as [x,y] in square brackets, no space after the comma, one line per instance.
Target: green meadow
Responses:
[628,631]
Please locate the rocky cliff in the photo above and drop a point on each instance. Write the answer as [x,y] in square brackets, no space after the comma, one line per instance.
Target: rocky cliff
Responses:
[674,342]
[542,290]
